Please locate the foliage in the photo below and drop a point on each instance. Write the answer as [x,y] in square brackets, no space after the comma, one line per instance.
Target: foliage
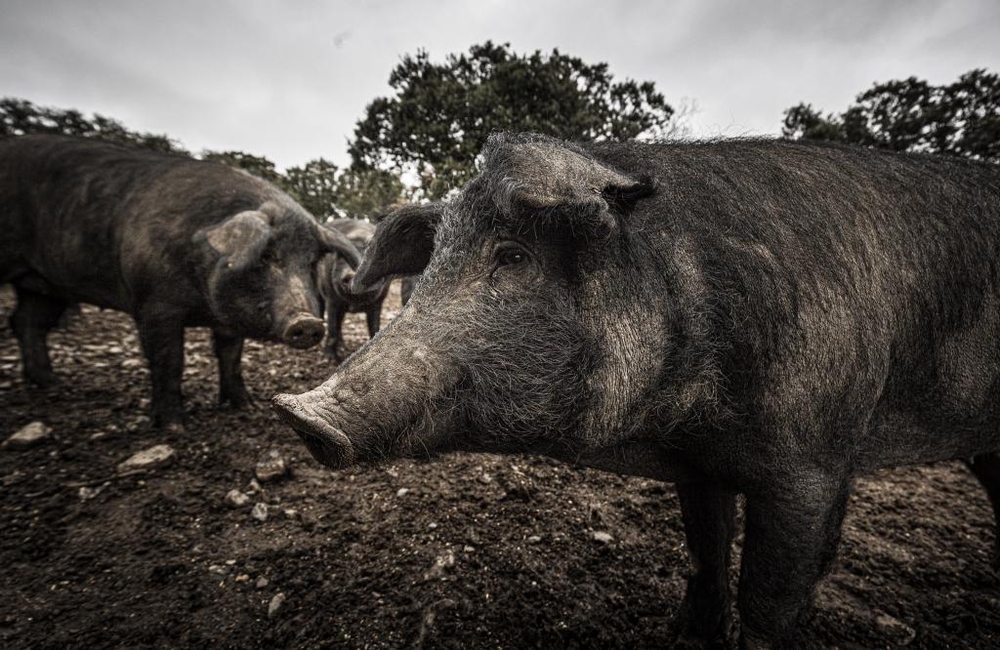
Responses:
[327,192]
[257,165]
[21,117]
[961,118]
[441,113]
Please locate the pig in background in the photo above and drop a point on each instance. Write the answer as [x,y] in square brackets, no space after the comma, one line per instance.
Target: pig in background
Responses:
[173,241]
[762,318]
[335,276]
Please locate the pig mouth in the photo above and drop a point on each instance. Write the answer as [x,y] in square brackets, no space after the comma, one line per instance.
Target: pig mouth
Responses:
[328,444]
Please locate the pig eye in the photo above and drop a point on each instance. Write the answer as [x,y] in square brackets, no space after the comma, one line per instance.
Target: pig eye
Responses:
[270,257]
[511,255]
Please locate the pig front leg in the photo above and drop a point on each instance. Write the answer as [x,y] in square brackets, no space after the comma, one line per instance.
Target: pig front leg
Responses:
[986,467]
[31,321]
[229,352]
[373,317]
[708,511]
[162,340]
[334,324]
[792,530]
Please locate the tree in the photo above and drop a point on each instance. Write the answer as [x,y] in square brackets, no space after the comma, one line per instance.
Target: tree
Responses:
[961,118]
[364,193]
[257,165]
[327,192]
[314,186]
[441,113]
[21,117]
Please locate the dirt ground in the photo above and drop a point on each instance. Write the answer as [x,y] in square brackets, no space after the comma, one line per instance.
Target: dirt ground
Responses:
[468,551]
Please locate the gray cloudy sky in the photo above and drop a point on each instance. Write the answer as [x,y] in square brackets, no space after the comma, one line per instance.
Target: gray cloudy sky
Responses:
[288,80]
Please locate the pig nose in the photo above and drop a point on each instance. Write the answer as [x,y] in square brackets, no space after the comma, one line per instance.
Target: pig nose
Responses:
[346,279]
[328,444]
[303,332]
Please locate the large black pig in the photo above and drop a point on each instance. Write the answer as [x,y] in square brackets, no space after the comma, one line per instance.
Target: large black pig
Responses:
[758,317]
[335,276]
[173,241]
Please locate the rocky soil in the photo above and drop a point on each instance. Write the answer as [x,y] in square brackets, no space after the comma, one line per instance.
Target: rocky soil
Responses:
[230,536]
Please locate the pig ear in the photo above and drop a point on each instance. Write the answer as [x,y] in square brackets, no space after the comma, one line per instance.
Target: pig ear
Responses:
[402,244]
[335,242]
[555,179]
[238,241]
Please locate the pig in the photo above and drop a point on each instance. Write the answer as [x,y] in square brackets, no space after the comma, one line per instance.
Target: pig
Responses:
[173,241]
[334,277]
[406,287]
[756,317]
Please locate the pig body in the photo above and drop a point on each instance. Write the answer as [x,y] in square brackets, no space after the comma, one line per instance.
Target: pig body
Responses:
[762,318]
[335,276]
[173,241]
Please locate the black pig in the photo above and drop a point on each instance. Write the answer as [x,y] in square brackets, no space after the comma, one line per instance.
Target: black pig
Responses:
[335,276]
[173,241]
[758,317]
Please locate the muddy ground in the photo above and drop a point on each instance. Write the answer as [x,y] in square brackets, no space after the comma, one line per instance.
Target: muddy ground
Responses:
[468,551]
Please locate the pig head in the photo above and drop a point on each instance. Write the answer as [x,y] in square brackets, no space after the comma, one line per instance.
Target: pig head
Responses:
[530,331]
[260,272]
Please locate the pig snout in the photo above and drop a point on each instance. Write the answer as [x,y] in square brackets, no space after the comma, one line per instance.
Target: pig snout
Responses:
[345,281]
[303,331]
[328,445]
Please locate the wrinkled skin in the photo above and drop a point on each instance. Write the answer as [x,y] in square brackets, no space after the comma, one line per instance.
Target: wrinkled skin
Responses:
[749,317]
[173,241]
[334,277]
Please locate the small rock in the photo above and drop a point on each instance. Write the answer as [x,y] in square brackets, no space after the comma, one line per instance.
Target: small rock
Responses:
[485,478]
[138,424]
[432,525]
[114,349]
[156,456]
[261,583]
[218,569]
[534,539]
[253,486]
[602,537]
[443,562]
[242,577]
[259,512]
[30,436]
[236,499]
[270,468]
[275,605]
[290,513]
[131,363]
[900,633]
[402,492]
[86,493]
[469,549]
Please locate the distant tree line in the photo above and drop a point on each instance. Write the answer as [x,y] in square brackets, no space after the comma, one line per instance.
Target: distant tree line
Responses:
[422,142]
[319,186]
[961,118]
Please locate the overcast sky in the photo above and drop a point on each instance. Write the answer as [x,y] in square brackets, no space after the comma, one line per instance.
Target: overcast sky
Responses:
[288,80]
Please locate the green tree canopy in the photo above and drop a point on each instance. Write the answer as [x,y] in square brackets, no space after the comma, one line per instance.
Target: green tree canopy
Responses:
[257,165]
[325,191]
[319,186]
[441,113]
[21,117]
[961,118]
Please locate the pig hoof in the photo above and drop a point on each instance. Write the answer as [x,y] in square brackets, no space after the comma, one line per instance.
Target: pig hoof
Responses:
[693,632]
[169,423]
[42,379]
[237,401]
